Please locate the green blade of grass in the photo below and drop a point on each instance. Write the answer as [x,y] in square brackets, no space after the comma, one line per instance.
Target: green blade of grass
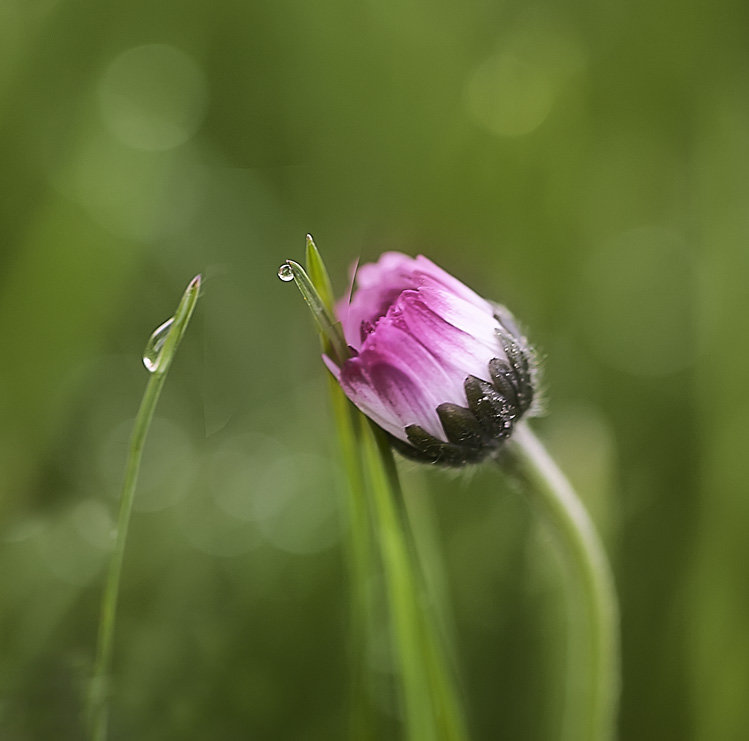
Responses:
[318,274]
[431,701]
[360,546]
[329,327]
[380,535]
[99,689]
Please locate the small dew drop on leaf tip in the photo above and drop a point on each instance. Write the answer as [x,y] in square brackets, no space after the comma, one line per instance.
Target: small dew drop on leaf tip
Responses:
[285,273]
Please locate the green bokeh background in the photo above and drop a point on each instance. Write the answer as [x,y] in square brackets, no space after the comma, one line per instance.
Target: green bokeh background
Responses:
[585,163]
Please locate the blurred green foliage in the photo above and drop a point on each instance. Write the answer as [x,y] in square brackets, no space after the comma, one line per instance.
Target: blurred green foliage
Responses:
[584,163]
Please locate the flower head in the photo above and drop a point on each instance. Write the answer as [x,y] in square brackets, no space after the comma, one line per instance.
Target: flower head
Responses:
[445,372]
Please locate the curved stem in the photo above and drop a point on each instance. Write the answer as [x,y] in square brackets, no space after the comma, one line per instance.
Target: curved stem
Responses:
[593,715]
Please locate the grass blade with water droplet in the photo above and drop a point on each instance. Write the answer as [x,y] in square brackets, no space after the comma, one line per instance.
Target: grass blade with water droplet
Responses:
[326,322]
[98,697]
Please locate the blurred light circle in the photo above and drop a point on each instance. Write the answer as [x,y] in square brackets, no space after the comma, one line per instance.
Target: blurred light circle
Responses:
[637,302]
[236,470]
[70,555]
[296,505]
[211,530]
[290,497]
[512,92]
[94,523]
[219,518]
[23,529]
[153,97]
[509,98]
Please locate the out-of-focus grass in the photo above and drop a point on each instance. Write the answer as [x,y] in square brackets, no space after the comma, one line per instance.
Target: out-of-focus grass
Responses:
[581,163]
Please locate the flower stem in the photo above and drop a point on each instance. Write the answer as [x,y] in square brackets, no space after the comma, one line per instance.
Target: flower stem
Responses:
[593,677]
[98,697]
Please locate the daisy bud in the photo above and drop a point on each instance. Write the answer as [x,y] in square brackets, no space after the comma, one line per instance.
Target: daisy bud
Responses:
[445,372]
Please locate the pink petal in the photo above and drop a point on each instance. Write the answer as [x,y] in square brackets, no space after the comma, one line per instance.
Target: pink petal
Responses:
[457,351]
[332,367]
[425,266]
[476,321]
[357,385]
[378,286]
[398,382]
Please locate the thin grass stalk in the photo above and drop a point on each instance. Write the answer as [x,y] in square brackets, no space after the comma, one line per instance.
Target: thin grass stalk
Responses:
[431,701]
[429,698]
[362,566]
[99,689]
[360,544]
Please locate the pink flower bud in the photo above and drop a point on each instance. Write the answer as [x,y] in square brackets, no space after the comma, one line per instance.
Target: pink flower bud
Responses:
[446,373]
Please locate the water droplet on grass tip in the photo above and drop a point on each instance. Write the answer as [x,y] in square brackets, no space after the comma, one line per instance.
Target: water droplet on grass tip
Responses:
[285,273]
[154,346]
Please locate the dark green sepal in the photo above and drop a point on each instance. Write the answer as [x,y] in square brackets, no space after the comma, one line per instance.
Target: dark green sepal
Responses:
[461,426]
[494,413]
[519,359]
[427,448]
[504,380]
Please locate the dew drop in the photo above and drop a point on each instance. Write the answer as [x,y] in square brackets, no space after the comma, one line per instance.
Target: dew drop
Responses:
[154,346]
[285,273]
